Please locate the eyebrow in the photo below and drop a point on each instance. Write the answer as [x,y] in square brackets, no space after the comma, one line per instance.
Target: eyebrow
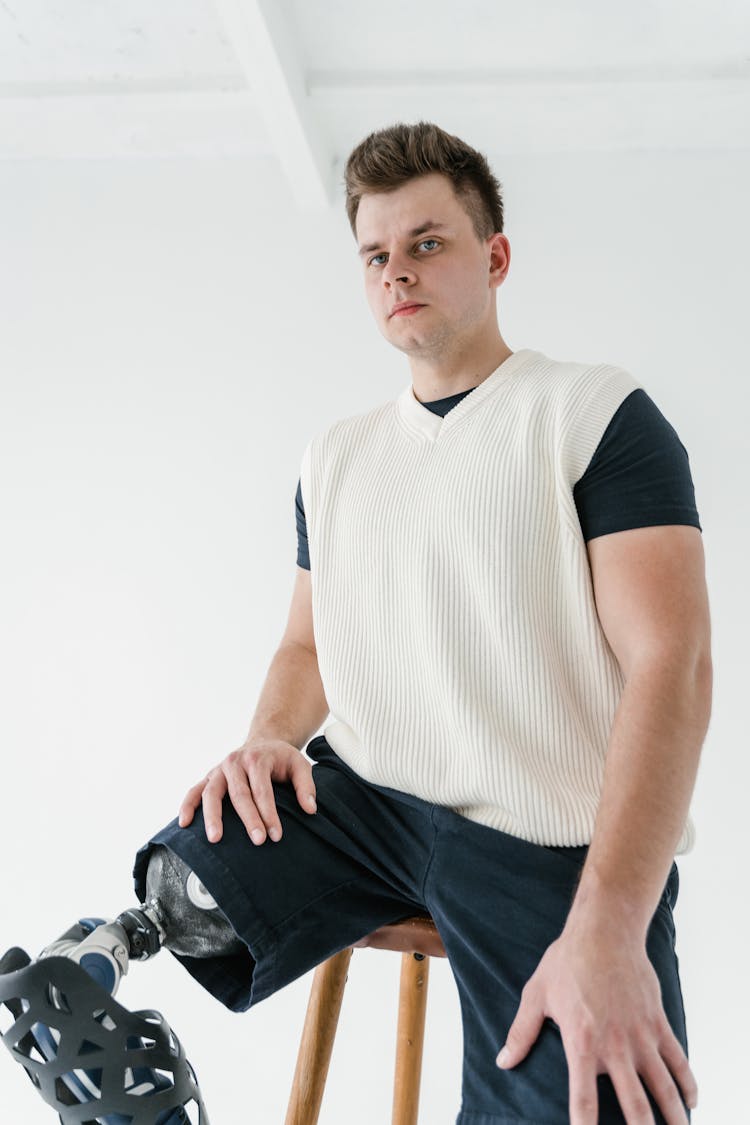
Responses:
[429,225]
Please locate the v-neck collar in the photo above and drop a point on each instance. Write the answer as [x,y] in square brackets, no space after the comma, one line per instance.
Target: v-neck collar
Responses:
[420,420]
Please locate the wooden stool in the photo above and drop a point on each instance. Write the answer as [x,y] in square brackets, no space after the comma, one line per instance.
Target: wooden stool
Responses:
[416,939]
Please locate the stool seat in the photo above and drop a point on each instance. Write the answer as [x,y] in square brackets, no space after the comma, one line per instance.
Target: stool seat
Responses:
[411,935]
[417,939]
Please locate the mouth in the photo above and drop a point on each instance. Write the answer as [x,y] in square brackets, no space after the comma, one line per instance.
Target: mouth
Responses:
[407,310]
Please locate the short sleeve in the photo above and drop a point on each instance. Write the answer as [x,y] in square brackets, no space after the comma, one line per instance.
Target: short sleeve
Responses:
[303,553]
[639,474]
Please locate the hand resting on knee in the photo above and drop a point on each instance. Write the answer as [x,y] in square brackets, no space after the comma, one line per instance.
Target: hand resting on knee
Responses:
[246,775]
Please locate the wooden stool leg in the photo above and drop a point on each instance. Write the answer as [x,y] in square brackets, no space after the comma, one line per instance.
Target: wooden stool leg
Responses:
[316,1044]
[412,1003]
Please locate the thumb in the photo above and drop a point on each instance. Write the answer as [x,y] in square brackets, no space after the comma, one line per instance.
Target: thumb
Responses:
[523,1032]
[304,786]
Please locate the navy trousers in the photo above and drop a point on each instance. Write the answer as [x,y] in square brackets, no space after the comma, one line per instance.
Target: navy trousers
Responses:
[372,855]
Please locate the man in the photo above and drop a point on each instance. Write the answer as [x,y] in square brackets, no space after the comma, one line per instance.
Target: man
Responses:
[500,600]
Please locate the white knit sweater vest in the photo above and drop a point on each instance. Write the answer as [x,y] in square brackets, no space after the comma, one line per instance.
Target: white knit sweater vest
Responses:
[457,635]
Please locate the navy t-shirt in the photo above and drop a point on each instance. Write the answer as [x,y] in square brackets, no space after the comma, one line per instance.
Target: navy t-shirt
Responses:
[638,476]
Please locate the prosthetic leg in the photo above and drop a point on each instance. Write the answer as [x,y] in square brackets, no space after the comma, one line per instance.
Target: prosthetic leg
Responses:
[91,1059]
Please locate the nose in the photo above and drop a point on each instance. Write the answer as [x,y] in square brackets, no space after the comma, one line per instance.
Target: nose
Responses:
[396,269]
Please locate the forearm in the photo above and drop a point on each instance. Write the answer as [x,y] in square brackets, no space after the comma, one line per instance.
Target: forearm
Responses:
[292,703]
[650,772]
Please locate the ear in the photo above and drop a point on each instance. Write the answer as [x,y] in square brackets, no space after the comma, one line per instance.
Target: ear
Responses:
[499,259]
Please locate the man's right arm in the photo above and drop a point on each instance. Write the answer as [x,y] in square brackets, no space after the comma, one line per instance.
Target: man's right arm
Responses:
[291,707]
[292,703]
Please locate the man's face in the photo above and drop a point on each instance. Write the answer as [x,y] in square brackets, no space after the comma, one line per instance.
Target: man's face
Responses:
[444,267]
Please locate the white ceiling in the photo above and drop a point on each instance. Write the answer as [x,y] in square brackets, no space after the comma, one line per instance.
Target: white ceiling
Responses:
[303,81]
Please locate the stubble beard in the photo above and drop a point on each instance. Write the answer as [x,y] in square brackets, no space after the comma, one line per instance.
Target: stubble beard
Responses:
[439,341]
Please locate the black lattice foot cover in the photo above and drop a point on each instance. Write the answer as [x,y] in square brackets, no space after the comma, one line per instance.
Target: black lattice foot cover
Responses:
[91,1059]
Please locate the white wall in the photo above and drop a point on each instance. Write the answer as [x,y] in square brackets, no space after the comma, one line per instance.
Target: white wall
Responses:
[172,334]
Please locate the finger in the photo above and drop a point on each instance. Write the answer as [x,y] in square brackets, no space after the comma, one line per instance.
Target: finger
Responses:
[190,803]
[583,1100]
[674,1056]
[213,794]
[662,1087]
[263,795]
[524,1031]
[241,796]
[630,1093]
[304,786]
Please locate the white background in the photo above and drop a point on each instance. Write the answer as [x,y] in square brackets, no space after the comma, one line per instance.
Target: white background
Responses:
[173,333]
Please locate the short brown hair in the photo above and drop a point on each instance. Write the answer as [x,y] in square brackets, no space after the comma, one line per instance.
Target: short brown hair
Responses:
[390,157]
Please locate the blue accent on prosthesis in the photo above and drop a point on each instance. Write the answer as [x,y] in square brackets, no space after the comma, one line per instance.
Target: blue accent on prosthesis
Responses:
[100,970]
[90,924]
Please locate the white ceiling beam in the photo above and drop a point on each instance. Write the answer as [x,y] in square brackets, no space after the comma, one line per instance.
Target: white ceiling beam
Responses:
[474,79]
[269,58]
[101,119]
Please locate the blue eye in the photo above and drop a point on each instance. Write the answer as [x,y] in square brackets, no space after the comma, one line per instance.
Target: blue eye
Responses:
[422,243]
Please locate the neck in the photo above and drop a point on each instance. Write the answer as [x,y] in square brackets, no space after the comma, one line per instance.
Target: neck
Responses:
[435,379]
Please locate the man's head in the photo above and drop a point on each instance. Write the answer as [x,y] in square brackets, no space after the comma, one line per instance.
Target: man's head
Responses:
[406,178]
[390,157]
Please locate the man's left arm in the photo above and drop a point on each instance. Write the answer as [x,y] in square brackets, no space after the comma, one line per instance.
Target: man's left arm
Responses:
[596,981]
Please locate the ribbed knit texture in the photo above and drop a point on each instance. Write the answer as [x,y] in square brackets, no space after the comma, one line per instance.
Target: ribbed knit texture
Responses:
[457,636]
